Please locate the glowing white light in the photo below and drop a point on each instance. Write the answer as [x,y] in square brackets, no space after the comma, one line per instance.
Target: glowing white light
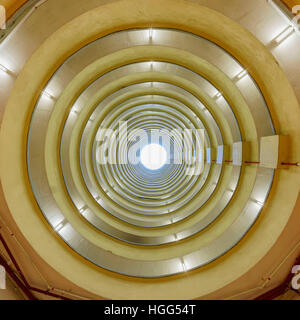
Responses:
[150,33]
[242,74]
[259,203]
[59,226]
[218,95]
[82,209]
[48,95]
[183,265]
[153,156]
[284,34]
[4,69]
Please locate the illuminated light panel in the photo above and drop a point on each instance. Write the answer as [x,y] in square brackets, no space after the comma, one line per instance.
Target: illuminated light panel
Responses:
[4,69]
[284,34]
[48,95]
[150,33]
[59,226]
[242,74]
[153,156]
[259,203]
[218,95]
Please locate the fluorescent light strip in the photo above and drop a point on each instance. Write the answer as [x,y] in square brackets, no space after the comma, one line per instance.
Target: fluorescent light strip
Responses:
[242,74]
[284,34]
[183,265]
[82,209]
[258,202]
[218,95]
[150,33]
[48,95]
[4,69]
[60,226]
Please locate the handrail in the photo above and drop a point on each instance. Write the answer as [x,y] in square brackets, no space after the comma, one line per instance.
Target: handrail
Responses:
[16,18]
[23,284]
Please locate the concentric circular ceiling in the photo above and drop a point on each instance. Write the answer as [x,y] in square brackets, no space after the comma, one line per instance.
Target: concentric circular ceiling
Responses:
[131,101]
[147,74]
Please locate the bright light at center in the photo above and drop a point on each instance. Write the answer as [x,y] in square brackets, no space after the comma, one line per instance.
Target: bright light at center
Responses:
[153,156]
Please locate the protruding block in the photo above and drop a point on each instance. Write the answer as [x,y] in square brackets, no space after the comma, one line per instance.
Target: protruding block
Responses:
[211,154]
[208,155]
[222,154]
[273,151]
[240,151]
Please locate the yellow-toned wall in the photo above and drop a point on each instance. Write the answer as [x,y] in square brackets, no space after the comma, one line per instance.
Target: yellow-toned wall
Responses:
[11,6]
[291,3]
[11,292]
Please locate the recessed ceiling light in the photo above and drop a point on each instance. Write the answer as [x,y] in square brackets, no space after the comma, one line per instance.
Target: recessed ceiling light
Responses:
[153,156]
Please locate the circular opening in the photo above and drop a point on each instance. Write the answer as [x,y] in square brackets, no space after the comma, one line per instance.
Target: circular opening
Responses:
[153,156]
